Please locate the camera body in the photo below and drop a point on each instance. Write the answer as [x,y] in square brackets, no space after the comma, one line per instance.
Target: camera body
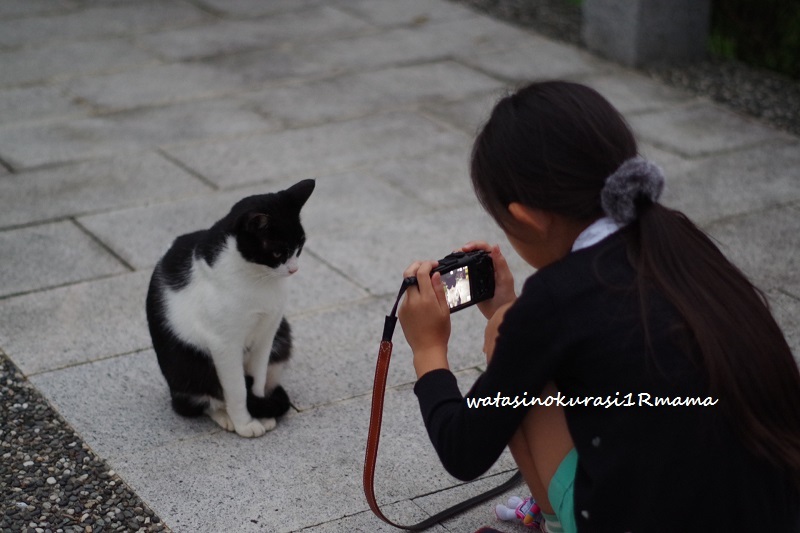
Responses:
[468,278]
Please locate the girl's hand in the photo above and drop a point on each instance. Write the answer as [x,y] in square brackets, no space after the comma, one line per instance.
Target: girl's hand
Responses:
[490,334]
[503,278]
[425,318]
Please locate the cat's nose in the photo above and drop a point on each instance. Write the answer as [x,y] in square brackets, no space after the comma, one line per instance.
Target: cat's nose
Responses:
[292,269]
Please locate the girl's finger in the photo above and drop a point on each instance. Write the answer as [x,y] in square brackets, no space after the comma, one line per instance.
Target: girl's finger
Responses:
[438,287]
[412,269]
[476,245]
[424,279]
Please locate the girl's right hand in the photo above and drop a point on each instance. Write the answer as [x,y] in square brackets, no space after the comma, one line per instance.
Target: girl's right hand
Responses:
[504,293]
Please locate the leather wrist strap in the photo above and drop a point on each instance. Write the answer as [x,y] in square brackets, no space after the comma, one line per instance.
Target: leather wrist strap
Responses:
[374,434]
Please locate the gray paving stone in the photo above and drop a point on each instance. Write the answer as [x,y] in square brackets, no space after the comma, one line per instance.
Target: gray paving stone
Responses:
[482,514]
[425,42]
[68,60]
[35,103]
[469,114]
[258,8]
[439,179]
[631,93]
[328,212]
[698,129]
[34,144]
[45,256]
[100,21]
[400,513]
[22,8]
[353,95]
[403,12]
[93,186]
[336,350]
[153,85]
[765,245]
[373,252]
[313,152]
[70,325]
[740,182]
[239,35]
[405,45]
[309,467]
[129,391]
[535,58]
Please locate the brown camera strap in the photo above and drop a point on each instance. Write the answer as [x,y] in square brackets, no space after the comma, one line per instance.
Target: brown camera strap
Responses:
[374,435]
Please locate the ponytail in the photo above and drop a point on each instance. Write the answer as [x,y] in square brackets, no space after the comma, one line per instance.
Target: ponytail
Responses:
[747,361]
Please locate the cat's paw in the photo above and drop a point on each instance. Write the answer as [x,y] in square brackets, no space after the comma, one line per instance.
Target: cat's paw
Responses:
[254,428]
[274,405]
[268,423]
[220,416]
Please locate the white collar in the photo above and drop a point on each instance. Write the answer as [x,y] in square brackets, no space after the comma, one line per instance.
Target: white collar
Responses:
[595,232]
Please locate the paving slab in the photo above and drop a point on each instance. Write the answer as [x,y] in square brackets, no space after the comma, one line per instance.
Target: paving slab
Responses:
[436,180]
[198,483]
[153,85]
[99,21]
[699,128]
[93,186]
[373,251]
[121,404]
[739,182]
[468,114]
[406,12]
[402,513]
[328,211]
[536,58]
[230,36]
[249,9]
[336,350]
[37,102]
[49,255]
[631,92]
[26,8]
[765,245]
[56,62]
[54,329]
[353,95]
[313,152]
[482,514]
[43,143]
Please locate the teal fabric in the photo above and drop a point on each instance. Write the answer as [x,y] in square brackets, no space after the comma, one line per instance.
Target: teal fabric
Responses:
[560,492]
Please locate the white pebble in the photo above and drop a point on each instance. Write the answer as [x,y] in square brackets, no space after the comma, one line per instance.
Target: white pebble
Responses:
[51,481]
[27,463]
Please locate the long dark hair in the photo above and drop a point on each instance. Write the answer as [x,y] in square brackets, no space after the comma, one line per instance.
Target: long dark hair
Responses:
[550,146]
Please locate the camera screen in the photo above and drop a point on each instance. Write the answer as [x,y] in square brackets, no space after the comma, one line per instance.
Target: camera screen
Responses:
[456,287]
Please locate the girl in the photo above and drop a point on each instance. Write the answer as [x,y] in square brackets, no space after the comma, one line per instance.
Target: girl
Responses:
[631,306]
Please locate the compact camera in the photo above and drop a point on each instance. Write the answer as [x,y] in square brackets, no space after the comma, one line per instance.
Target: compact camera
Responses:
[468,278]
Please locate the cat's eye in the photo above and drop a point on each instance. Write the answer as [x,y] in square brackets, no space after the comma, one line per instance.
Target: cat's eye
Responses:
[277,255]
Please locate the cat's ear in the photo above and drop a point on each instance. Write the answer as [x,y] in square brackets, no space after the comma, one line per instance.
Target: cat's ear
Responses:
[254,222]
[300,192]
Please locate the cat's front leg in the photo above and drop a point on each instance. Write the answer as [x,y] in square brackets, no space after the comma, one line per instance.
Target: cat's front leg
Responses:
[229,370]
[257,364]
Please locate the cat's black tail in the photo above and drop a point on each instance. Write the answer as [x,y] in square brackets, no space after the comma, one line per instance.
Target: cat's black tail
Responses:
[188,405]
[274,405]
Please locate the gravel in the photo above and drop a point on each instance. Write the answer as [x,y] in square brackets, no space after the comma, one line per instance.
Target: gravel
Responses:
[765,95]
[50,480]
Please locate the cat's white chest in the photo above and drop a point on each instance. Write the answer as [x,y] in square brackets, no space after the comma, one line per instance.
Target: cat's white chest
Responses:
[227,301]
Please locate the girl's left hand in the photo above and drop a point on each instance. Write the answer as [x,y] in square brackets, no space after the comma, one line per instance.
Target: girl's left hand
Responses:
[425,318]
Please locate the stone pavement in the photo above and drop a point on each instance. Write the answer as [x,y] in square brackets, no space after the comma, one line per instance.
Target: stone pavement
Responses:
[124,123]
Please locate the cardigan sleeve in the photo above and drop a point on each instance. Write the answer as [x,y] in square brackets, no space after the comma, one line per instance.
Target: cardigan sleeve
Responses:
[469,438]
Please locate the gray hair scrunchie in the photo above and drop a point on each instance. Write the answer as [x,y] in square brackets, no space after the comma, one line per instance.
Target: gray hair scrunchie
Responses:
[636,179]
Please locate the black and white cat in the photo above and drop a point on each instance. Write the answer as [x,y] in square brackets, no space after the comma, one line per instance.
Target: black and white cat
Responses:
[216,306]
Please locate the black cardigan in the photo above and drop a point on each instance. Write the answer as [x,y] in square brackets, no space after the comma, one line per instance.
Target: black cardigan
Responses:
[640,468]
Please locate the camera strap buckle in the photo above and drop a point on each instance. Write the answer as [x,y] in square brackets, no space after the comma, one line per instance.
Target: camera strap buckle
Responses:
[374,434]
